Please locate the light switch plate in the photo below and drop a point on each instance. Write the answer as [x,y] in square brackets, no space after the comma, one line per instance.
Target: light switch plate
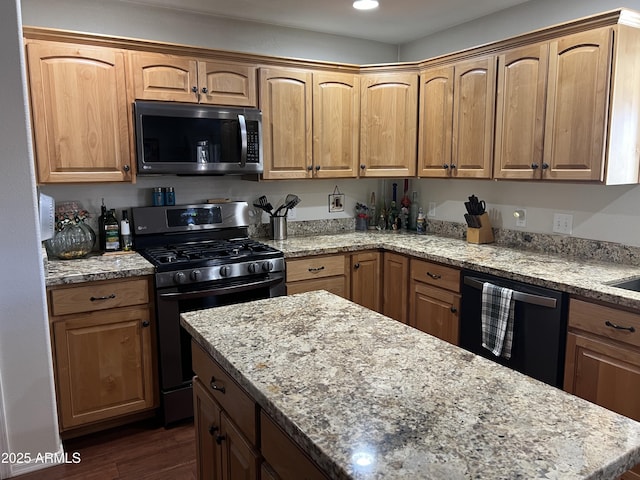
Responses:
[563,223]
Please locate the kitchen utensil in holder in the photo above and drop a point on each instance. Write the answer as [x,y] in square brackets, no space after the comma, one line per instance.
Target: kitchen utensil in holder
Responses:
[484,234]
[279,228]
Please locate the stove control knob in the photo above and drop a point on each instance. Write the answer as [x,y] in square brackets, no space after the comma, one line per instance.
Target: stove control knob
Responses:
[225,271]
[196,275]
[179,277]
[253,268]
[267,266]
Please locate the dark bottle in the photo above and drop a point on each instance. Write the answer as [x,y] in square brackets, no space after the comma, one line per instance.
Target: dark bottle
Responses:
[101,230]
[112,232]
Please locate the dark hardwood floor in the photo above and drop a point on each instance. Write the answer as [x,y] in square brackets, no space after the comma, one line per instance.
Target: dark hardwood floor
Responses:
[142,451]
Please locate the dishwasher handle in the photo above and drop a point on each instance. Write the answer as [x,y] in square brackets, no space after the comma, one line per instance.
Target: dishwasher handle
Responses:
[517,296]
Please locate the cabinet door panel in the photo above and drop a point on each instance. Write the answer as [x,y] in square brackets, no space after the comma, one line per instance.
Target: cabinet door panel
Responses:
[207,425]
[577,99]
[435,312]
[239,459]
[473,107]
[336,115]
[227,84]
[80,113]
[103,365]
[365,280]
[522,81]
[389,114]
[158,76]
[436,122]
[285,100]
[395,299]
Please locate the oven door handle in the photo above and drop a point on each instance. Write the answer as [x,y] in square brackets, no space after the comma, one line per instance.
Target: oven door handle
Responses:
[244,287]
[518,296]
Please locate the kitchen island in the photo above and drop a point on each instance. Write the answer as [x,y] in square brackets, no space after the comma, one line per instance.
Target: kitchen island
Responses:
[368,397]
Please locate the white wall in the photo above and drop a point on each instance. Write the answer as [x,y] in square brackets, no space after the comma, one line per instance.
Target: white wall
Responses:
[25,355]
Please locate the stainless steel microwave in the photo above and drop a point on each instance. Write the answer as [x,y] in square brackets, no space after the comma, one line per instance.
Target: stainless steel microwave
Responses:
[193,139]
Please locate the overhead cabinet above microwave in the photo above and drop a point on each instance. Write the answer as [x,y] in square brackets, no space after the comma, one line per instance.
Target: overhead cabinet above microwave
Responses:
[187,139]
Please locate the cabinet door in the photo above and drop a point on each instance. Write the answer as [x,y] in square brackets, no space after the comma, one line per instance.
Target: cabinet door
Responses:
[365,280]
[239,460]
[395,286]
[206,414]
[336,124]
[436,122]
[473,114]
[285,100]
[577,101]
[80,113]
[435,311]
[227,84]
[522,83]
[103,363]
[388,129]
[159,76]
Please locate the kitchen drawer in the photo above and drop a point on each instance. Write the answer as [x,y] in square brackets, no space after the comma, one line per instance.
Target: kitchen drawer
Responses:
[283,455]
[315,267]
[594,318]
[99,296]
[232,398]
[435,274]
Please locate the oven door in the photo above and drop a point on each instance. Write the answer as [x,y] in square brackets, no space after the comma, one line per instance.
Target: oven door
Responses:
[174,343]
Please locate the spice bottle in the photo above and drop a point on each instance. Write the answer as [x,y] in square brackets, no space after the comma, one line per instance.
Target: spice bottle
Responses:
[421,222]
[112,232]
[125,233]
[169,196]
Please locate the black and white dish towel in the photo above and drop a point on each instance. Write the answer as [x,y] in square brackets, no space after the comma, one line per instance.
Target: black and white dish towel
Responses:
[497,319]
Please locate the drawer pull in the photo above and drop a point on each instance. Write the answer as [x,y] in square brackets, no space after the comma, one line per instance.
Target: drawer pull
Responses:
[619,327]
[146,323]
[356,266]
[212,429]
[213,385]
[106,297]
[316,269]
[435,276]
[219,439]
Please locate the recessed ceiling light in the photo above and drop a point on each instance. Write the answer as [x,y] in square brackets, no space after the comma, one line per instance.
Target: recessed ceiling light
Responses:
[365,4]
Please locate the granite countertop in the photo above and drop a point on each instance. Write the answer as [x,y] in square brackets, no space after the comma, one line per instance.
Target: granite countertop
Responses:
[96,267]
[586,278]
[371,398]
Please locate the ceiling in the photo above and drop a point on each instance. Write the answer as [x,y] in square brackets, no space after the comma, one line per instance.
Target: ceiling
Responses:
[394,21]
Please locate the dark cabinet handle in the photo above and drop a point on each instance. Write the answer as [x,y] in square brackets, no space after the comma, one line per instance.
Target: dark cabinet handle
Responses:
[219,439]
[545,166]
[619,327]
[445,166]
[316,269]
[126,168]
[106,297]
[453,165]
[362,166]
[317,167]
[212,429]
[213,385]
[356,266]
[435,276]
[194,89]
[204,90]
[534,166]
[454,309]
[310,167]
[146,323]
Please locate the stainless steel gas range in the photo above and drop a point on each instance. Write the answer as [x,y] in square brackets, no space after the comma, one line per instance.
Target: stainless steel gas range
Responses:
[203,258]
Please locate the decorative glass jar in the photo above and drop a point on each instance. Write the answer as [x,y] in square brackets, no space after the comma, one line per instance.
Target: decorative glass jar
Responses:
[73,238]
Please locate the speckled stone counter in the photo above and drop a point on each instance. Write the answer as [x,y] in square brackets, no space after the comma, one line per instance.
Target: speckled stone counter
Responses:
[96,267]
[569,274]
[371,398]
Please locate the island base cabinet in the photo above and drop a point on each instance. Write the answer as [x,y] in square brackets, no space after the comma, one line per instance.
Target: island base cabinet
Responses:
[285,459]
[222,451]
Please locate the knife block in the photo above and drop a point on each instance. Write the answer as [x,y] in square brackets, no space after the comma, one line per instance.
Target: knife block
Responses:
[484,234]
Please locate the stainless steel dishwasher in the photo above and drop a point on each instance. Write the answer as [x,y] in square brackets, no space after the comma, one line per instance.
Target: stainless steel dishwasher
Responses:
[540,326]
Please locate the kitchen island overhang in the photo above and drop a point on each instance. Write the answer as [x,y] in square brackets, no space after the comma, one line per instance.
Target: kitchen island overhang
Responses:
[368,397]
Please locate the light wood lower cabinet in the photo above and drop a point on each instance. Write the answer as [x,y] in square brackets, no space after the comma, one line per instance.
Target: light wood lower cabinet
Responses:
[603,359]
[434,305]
[103,351]
[366,279]
[395,286]
[323,272]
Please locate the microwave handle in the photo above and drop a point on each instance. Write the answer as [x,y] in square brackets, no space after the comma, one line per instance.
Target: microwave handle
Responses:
[243,140]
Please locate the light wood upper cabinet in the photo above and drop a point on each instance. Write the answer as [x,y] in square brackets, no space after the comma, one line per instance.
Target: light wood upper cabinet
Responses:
[286,104]
[388,124]
[577,93]
[80,113]
[336,124]
[159,76]
[520,112]
[456,119]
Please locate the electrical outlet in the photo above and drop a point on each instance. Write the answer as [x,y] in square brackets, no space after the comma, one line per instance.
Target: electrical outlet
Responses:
[291,214]
[563,223]
[432,209]
[521,217]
